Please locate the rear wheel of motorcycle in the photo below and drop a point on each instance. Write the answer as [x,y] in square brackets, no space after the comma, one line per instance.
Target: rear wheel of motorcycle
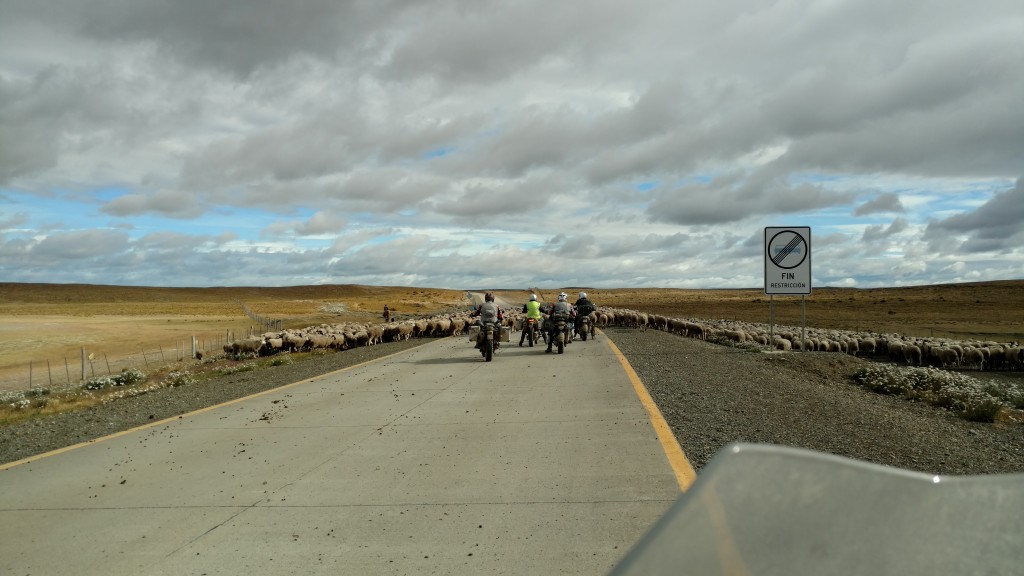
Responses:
[560,341]
[529,335]
[583,334]
[489,350]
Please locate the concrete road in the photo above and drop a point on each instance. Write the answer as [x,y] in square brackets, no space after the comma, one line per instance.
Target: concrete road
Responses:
[430,461]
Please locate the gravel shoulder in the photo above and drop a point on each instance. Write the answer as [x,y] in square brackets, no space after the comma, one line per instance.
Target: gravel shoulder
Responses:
[710,395]
[713,395]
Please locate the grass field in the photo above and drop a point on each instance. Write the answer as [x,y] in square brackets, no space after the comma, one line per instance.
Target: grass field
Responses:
[48,325]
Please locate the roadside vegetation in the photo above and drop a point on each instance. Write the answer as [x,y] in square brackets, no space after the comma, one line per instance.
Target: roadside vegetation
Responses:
[972,398]
[18,406]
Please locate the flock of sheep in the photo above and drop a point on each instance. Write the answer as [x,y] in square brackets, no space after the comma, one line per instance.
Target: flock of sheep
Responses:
[944,353]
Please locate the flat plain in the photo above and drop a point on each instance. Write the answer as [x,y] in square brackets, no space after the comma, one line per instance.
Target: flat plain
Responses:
[46,327]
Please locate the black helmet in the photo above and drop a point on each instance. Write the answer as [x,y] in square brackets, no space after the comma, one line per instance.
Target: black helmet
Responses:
[489,297]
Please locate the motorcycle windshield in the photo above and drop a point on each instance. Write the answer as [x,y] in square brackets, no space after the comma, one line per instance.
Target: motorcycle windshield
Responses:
[762,509]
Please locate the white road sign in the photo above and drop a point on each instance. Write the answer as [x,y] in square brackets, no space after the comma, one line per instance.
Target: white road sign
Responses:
[787,260]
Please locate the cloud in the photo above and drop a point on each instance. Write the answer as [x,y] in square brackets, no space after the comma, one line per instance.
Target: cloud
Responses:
[321,223]
[639,143]
[997,225]
[79,245]
[887,202]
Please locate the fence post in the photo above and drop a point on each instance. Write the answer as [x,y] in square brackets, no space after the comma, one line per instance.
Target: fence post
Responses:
[29,374]
[49,375]
[67,370]
[83,363]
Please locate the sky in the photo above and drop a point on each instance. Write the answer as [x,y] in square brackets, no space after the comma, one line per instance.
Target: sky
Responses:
[470,144]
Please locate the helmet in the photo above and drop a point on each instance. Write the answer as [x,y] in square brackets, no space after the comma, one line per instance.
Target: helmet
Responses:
[489,297]
[533,297]
[583,295]
[562,297]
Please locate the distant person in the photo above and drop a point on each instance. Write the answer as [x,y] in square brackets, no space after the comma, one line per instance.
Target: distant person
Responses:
[387,313]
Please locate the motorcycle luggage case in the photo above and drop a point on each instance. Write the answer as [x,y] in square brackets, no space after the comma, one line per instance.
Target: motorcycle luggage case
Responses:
[505,335]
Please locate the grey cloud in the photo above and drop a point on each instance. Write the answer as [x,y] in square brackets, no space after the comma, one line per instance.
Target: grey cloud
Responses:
[887,202]
[490,40]
[995,226]
[736,197]
[321,223]
[14,221]
[170,203]
[79,245]
[881,232]
[239,38]
[618,246]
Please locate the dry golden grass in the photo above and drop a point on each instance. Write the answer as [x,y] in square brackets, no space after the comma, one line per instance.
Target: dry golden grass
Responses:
[53,322]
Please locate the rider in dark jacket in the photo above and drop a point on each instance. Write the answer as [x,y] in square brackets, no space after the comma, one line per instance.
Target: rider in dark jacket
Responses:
[489,312]
[583,305]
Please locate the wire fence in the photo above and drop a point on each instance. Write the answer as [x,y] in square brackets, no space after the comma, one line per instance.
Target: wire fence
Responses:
[91,362]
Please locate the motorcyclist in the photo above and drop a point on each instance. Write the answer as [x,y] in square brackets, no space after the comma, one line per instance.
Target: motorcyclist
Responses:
[560,310]
[489,312]
[583,306]
[532,311]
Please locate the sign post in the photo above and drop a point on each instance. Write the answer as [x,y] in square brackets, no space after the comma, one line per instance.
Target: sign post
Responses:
[787,269]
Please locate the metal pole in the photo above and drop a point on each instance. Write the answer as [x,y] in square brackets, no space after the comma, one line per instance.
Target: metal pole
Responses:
[771,318]
[803,320]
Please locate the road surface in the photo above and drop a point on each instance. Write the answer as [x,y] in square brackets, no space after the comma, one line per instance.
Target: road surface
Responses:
[429,461]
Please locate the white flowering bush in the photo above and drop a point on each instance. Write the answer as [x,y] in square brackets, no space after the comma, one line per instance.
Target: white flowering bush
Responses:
[176,378]
[281,360]
[971,398]
[245,367]
[125,378]
[14,400]
[132,391]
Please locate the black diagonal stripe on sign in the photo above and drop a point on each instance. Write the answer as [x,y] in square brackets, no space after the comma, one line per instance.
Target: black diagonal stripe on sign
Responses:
[787,249]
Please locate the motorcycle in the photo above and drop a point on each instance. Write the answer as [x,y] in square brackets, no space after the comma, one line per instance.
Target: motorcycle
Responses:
[560,333]
[487,341]
[530,331]
[584,327]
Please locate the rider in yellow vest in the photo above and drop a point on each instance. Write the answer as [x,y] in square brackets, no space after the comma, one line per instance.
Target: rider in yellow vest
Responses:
[532,310]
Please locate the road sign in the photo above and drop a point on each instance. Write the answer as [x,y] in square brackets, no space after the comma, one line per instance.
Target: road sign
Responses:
[787,260]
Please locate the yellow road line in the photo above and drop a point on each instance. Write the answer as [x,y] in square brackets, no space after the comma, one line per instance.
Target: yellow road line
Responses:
[186,415]
[673,451]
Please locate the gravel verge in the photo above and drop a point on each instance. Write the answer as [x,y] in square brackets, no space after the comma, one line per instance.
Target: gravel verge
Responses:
[710,395]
